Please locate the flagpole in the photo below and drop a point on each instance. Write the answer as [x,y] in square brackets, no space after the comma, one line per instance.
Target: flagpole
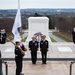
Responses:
[20,14]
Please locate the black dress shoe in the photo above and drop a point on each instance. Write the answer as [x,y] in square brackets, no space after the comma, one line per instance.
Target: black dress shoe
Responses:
[44,63]
[34,63]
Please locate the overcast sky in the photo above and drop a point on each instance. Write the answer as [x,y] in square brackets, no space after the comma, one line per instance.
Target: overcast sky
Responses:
[12,4]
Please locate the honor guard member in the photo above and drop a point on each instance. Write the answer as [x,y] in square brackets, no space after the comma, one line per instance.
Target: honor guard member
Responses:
[19,57]
[0,37]
[44,48]
[73,35]
[3,36]
[33,46]
[0,65]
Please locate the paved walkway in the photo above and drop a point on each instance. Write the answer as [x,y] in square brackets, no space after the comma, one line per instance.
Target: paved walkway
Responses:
[57,50]
[24,35]
[51,68]
[56,38]
[50,34]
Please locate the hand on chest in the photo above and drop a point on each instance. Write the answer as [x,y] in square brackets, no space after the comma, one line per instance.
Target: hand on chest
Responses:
[43,43]
[34,43]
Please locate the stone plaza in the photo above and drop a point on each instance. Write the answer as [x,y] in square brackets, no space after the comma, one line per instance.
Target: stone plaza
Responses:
[57,50]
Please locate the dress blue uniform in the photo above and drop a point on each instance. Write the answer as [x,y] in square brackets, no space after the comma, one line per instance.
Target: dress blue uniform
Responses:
[73,35]
[33,45]
[19,59]
[44,49]
[3,37]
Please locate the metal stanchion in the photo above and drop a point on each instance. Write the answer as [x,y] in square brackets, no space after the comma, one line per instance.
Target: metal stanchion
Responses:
[1,61]
[0,54]
[0,64]
[6,65]
[71,67]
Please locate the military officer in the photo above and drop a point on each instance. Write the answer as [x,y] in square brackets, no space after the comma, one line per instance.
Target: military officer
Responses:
[0,54]
[3,36]
[33,46]
[19,53]
[0,38]
[44,48]
[0,65]
[73,35]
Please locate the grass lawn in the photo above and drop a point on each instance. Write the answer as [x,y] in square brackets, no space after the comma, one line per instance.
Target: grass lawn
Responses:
[53,40]
[9,39]
[24,39]
[62,37]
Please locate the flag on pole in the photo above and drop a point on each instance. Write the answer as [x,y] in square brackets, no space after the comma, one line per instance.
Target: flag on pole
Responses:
[17,24]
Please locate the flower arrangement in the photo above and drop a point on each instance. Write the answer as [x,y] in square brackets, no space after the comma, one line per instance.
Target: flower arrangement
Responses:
[38,34]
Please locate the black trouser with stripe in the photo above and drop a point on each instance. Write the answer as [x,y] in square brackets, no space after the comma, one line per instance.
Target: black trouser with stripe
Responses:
[34,56]
[44,56]
[18,61]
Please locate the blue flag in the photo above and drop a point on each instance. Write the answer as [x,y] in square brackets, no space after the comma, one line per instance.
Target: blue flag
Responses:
[17,25]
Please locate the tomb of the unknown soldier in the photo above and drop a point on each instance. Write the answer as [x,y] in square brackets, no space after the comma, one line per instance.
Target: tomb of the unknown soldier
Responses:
[38,25]
[61,55]
[43,37]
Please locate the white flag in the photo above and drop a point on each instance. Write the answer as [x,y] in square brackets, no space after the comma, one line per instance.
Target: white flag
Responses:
[17,25]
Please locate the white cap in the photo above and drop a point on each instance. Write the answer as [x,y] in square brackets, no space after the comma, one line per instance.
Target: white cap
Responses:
[33,37]
[17,40]
[74,29]
[3,30]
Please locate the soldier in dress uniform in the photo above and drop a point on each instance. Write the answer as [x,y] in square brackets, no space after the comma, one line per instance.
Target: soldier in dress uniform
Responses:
[33,46]
[0,37]
[73,35]
[3,36]
[44,48]
[0,65]
[19,53]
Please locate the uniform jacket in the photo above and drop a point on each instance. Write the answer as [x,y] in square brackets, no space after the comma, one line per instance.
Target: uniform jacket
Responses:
[18,52]
[73,35]
[33,45]
[3,35]
[44,45]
